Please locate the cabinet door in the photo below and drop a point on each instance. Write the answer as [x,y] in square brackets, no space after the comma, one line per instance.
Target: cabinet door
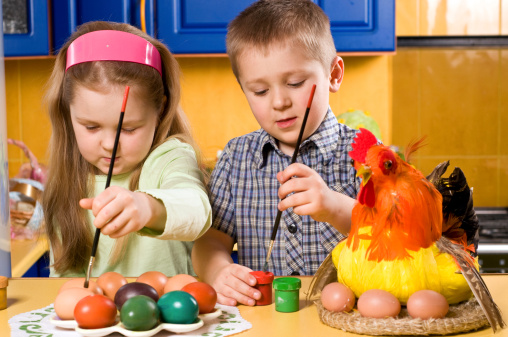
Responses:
[200,26]
[196,26]
[361,25]
[33,39]
[69,14]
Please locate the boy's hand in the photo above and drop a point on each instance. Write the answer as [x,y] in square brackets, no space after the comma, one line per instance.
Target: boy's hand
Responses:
[234,284]
[311,196]
[119,211]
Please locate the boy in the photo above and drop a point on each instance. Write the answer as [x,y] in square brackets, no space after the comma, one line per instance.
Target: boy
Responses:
[278,50]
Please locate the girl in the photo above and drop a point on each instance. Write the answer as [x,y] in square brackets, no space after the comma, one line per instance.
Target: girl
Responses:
[157,197]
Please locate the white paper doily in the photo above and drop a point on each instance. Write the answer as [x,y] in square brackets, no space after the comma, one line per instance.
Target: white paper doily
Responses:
[37,323]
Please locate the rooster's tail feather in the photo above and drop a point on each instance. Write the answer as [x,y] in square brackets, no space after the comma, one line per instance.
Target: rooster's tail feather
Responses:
[475,281]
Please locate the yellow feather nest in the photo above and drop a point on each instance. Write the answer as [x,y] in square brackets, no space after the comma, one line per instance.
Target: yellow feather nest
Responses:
[427,269]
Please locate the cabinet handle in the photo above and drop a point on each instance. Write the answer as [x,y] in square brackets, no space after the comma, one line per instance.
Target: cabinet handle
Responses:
[142,15]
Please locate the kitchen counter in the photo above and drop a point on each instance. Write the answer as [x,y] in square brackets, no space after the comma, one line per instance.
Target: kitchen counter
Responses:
[24,253]
[27,294]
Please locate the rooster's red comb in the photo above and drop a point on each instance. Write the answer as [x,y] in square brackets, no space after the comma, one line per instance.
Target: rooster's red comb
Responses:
[363,141]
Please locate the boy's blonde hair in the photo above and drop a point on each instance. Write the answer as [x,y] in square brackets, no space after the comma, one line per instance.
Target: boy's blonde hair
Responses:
[298,23]
[69,176]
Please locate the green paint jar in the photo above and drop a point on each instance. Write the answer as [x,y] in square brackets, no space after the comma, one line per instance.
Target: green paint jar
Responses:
[287,294]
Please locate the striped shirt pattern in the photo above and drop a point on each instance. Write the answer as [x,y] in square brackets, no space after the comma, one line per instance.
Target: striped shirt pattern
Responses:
[243,194]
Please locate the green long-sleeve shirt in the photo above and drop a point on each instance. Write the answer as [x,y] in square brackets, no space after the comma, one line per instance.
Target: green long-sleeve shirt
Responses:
[171,175]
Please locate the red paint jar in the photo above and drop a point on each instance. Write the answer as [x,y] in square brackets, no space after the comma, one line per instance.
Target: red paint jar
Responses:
[264,285]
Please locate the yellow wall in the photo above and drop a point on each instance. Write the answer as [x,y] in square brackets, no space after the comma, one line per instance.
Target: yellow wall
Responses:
[457,97]
[211,98]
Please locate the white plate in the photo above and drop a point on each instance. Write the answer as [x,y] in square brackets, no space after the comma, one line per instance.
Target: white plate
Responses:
[210,315]
[176,328]
[64,324]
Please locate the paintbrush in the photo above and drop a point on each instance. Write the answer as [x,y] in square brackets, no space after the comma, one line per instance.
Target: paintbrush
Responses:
[293,160]
[108,181]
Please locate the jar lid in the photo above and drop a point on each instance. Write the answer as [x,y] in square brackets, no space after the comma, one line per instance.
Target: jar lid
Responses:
[263,277]
[3,282]
[287,283]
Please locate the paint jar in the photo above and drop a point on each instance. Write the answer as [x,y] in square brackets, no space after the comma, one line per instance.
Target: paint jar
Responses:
[3,292]
[287,294]
[264,285]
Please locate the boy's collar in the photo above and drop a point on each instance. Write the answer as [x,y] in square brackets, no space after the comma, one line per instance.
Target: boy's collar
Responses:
[324,138]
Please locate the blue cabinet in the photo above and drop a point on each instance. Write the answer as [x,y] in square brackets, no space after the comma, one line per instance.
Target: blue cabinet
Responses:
[34,41]
[69,14]
[200,26]
[195,26]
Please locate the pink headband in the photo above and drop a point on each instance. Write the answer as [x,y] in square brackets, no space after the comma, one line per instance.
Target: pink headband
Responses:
[113,45]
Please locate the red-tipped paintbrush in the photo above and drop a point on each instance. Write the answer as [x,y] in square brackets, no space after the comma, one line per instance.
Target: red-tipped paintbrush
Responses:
[293,160]
[108,181]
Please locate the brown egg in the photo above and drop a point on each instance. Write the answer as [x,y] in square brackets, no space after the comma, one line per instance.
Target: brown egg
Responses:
[154,278]
[177,282]
[337,297]
[377,303]
[66,301]
[110,282]
[427,304]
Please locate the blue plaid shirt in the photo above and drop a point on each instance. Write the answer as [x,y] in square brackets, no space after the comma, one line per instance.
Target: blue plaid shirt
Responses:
[243,194]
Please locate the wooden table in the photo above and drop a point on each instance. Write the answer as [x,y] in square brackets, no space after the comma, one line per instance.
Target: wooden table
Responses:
[27,294]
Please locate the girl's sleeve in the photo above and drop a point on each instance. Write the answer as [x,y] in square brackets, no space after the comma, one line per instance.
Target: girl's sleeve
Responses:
[171,174]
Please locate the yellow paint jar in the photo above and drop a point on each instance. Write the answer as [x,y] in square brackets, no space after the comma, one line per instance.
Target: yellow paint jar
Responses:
[3,292]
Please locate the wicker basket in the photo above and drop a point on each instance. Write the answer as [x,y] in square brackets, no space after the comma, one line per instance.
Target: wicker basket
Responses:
[463,317]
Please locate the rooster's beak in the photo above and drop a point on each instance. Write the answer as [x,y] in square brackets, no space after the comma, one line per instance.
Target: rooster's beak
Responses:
[365,172]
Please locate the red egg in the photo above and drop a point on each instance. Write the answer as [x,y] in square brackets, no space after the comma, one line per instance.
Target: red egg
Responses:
[337,297]
[427,304]
[177,282]
[110,282]
[95,312]
[377,303]
[154,278]
[204,294]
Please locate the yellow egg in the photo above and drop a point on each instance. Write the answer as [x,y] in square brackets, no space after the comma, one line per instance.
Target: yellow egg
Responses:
[427,304]
[337,297]
[377,303]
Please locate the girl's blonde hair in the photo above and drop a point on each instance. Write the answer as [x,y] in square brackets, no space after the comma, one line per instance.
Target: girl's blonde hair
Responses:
[298,23]
[70,176]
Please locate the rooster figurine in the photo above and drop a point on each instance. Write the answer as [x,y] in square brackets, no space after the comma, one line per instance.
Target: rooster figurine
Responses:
[403,238]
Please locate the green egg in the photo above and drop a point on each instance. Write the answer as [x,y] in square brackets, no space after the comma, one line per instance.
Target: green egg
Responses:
[139,313]
[178,307]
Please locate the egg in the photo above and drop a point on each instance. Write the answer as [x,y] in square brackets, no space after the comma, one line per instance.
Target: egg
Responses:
[178,281]
[66,301]
[377,303]
[154,278]
[80,283]
[427,304]
[205,295]
[110,282]
[337,297]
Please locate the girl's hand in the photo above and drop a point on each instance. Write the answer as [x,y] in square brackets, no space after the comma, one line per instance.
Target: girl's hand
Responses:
[311,196]
[119,211]
[234,284]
